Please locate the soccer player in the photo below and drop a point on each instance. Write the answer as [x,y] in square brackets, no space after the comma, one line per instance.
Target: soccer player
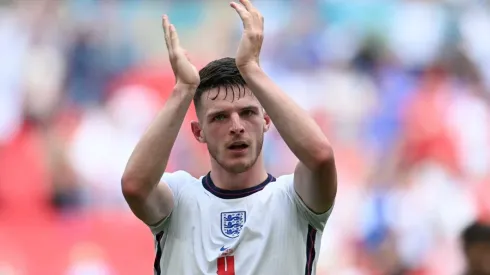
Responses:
[237,219]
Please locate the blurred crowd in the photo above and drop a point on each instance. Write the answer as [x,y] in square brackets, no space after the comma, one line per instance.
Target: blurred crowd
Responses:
[401,88]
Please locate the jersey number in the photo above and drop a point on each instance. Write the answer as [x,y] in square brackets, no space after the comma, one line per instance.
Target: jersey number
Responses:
[226,265]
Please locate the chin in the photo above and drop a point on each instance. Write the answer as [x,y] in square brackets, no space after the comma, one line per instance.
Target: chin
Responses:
[237,166]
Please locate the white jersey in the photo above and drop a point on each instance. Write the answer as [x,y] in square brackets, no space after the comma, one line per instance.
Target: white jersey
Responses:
[262,230]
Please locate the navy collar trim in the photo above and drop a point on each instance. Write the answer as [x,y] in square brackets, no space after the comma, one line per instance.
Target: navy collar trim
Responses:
[208,184]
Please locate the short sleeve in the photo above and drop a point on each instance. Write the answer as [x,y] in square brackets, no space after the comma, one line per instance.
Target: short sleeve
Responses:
[318,221]
[177,182]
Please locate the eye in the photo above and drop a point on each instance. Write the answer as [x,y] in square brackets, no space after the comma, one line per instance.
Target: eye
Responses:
[219,117]
[248,113]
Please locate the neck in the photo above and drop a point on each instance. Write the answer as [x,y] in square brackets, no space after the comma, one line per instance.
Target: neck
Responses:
[226,180]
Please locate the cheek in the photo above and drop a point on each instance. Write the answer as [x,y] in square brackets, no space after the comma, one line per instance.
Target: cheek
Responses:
[256,126]
[214,134]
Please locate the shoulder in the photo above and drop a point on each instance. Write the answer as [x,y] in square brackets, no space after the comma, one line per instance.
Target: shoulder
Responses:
[179,180]
[282,183]
[179,175]
[285,185]
[280,188]
[284,179]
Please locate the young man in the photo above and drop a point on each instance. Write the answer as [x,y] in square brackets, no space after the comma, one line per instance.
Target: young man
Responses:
[237,219]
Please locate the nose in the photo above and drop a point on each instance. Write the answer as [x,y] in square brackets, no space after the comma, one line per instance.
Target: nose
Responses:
[236,125]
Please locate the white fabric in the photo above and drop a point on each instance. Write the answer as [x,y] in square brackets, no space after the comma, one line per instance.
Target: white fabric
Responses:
[274,227]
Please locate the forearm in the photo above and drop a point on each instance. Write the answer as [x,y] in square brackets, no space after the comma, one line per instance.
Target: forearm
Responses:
[300,132]
[150,156]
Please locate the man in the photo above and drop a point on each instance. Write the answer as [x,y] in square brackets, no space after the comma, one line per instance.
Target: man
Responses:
[237,219]
[476,248]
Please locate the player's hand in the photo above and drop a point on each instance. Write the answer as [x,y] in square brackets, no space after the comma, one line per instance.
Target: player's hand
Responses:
[253,34]
[185,72]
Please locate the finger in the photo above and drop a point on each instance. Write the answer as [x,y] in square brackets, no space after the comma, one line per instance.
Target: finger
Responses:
[174,37]
[252,9]
[166,31]
[248,5]
[243,13]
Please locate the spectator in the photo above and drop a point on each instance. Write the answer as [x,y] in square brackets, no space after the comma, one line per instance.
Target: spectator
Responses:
[476,246]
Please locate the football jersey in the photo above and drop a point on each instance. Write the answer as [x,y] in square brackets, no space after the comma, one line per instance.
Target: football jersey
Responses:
[262,230]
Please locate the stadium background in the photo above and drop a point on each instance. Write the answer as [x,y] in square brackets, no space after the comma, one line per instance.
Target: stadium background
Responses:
[400,87]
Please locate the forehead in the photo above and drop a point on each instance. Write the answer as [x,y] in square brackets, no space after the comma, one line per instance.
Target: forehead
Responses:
[227,98]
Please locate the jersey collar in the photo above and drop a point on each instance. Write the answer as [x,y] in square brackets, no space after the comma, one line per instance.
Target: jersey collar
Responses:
[208,184]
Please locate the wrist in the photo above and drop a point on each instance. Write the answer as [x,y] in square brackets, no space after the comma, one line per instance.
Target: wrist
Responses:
[185,88]
[250,69]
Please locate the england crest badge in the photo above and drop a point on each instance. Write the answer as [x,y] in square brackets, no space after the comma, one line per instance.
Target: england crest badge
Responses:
[232,223]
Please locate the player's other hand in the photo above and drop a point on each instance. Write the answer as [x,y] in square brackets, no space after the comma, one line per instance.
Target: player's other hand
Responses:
[253,34]
[185,72]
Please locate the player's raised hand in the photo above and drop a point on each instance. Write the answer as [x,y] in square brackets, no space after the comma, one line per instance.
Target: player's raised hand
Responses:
[253,34]
[185,72]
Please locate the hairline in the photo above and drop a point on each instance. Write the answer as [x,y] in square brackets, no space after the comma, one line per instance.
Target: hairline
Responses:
[200,93]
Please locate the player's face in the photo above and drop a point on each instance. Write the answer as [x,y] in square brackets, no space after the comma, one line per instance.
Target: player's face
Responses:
[232,124]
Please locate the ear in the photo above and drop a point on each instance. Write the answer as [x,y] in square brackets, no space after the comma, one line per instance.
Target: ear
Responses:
[267,122]
[197,131]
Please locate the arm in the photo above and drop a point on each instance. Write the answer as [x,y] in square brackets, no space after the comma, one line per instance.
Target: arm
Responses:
[150,201]
[315,178]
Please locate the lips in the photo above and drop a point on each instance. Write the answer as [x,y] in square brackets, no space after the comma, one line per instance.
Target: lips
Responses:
[238,145]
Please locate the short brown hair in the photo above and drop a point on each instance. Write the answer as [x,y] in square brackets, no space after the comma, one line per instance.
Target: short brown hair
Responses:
[220,73]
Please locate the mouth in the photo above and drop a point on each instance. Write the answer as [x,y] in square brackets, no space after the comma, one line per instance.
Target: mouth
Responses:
[238,146]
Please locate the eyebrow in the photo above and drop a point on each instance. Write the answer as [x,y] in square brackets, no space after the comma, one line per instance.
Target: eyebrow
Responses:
[212,114]
[249,107]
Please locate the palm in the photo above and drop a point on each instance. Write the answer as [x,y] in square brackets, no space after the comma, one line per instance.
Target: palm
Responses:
[252,38]
[185,72]
[248,51]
